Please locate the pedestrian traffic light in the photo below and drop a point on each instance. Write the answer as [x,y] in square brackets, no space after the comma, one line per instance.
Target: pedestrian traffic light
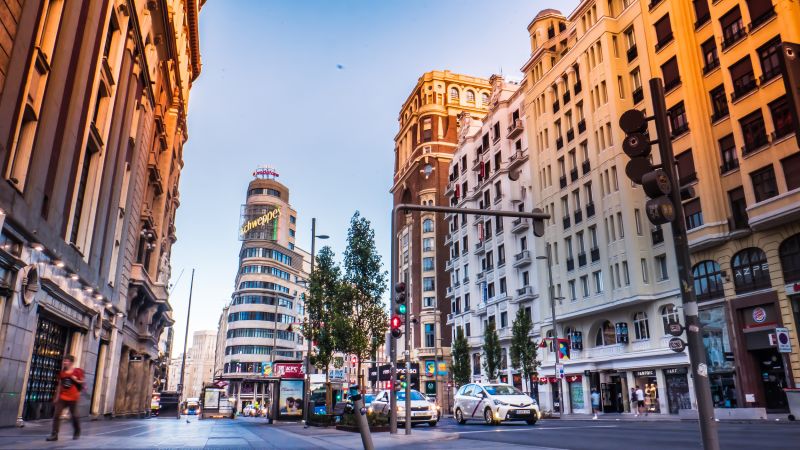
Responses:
[353,360]
[640,169]
[400,310]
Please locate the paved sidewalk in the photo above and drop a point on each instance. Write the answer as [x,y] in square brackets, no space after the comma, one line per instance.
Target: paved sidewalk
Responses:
[779,418]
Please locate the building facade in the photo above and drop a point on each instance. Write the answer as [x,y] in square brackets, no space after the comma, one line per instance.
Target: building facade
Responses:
[614,276]
[736,147]
[93,104]
[492,263]
[268,303]
[424,148]
[199,366]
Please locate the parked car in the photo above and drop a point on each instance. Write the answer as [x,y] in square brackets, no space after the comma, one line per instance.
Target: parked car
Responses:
[494,403]
[422,411]
[368,399]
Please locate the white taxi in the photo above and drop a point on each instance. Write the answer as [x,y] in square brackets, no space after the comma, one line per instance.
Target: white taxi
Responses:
[494,403]
[422,411]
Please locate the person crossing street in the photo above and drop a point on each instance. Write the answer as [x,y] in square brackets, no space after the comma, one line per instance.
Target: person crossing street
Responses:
[67,395]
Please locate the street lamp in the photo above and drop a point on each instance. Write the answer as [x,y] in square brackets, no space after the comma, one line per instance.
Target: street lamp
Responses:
[556,348]
[314,237]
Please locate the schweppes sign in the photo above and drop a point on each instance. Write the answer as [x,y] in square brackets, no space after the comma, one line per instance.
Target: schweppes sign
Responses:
[260,221]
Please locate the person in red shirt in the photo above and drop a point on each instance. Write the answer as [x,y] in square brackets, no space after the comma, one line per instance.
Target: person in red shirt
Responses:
[67,395]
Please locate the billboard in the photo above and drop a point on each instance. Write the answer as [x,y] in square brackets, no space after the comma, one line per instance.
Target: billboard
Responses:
[259,222]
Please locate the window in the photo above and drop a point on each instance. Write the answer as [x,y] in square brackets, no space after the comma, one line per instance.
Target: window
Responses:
[789,252]
[663,32]
[750,270]
[598,281]
[719,102]
[781,117]
[606,335]
[468,328]
[427,263]
[585,286]
[669,313]
[744,81]
[79,234]
[428,284]
[661,267]
[620,225]
[641,328]
[454,93]
[732,27]
[753,131]
[470,96]
[672,76]
[727,148]
[427,226]
[677,119]
[701,13]
[738,209]
[485,99]
[503,319]
[503,286]
[466,302]
[769,56]
[710,57]
[573,292]
[645,278]
[791,171]
[427,244]
[501,255]
[490,290]
[764,185]
[693,214]
[430,336]
[760,12]
[707,280]
[625,273]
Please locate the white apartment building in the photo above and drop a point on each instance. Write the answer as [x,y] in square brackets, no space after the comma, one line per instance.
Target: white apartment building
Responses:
[615,276]
[199,367]
[492,263]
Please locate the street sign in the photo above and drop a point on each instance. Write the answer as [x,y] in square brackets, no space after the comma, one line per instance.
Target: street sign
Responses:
[675,328]
[677,345]
[784,344]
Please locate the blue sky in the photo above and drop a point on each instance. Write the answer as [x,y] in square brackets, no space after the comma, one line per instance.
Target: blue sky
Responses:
[271,93]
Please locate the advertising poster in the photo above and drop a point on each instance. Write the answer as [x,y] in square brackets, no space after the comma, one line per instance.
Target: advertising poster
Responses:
[290,403]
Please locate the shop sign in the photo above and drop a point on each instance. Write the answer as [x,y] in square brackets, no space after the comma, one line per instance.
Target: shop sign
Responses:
[430,368]
[677,345]
[260,221]
[676,371]
[288,370]
[782,335]
[792,289]
[574,378]
[266,369]
[759,315]
[265,172]
[338,375]
[644,373]
[675,328]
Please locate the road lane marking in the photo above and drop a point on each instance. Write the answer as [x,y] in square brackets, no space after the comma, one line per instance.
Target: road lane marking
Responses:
[118,429]
[501,430]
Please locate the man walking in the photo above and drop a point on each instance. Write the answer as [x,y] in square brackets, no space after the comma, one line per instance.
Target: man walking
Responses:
[595,402]
[67,395]
[634,402]
[639,399]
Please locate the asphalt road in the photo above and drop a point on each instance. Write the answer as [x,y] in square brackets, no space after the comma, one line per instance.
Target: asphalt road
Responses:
[547,434]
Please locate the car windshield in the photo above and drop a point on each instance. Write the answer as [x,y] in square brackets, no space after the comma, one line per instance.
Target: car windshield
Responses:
[502,389]
[368,398]
[414,395]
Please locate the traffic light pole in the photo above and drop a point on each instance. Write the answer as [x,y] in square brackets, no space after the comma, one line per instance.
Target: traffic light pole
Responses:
[697,354]
[538,230]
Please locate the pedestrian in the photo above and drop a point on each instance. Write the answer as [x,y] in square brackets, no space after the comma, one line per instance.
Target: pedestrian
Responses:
[595,402]
[67,395]
[634,404]
[639,399]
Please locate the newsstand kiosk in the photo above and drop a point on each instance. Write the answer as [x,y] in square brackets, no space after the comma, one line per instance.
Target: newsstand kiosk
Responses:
[288,394]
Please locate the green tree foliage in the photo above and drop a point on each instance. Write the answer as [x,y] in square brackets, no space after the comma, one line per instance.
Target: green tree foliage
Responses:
[460,353]
[322,307]
[523,349]
[491,351]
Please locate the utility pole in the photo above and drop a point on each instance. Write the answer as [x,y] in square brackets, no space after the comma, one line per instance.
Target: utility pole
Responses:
[556,346]
[185,342]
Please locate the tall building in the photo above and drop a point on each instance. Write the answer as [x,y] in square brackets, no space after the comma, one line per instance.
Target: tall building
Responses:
[268,302]
[93,104]
[492,263]
[615,277]
[735,144]
[424,148]
[199,366]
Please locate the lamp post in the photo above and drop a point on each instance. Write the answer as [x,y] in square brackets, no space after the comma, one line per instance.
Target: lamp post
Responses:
[314,237]
[556,348]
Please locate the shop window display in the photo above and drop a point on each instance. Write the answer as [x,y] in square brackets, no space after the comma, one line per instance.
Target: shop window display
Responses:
[646,380]
[677,389]
[720,357]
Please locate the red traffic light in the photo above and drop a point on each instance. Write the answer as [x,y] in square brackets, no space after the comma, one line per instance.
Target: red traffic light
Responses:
[400,287]
[396,322]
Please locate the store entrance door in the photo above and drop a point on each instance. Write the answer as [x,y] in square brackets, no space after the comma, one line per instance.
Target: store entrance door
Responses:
[773,378]
[611,395]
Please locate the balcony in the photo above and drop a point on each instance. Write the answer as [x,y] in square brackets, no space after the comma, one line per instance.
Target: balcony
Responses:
[586,166]
[448,265]
[657,234]
[577,87]
[449,293]
[566,97]
[762,19]
[522,258]
[581,259]
[638,95]
[523,294]
[775,211]
[754,144]
[590,209]
[594,254]
[570,135]
[578,216]
[729,165]
[562,181]
[556,106]
[515,129]
[465,280]
[581,125]
[740,90]
[570,264]
[702,20]
[479,249]
[479,277]
[519,225]
[573,174]
[559,142]
[663,42]
[710,66]
[632,53]
[738,222]
[733,38]
[566,222]
[517,159]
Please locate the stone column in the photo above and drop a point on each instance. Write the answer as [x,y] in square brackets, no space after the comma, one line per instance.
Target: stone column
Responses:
[121,382]
[662,392]
[112,375]
[102,351]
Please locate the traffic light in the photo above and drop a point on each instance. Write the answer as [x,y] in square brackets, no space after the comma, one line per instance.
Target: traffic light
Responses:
[353,360]
[403,381]
[640,169]
[400,310]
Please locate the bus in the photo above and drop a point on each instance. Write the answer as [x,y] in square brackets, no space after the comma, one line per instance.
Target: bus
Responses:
[192,406]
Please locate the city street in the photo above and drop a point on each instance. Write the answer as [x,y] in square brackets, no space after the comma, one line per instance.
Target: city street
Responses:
[550,434]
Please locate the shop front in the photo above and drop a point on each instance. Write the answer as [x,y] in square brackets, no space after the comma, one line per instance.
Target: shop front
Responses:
[612,388]
[719,356]
[551,386]
[677,382]
[577,396]
[647,381]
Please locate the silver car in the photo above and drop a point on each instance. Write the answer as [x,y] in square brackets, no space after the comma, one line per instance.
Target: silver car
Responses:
[422,411]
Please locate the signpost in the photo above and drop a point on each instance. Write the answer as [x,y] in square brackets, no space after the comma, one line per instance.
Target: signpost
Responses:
[784,344]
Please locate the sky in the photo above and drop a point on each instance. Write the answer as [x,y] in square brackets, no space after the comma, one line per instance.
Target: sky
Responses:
[313,89]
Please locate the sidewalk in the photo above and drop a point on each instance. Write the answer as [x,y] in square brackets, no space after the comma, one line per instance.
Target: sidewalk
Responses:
[615,417]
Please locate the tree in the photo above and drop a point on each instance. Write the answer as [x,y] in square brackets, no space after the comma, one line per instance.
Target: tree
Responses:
[364,328]
[460,353]
[491,351]
[523,349]
[322,307]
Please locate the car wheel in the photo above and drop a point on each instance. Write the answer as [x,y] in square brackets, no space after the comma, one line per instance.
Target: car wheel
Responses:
[488,418]
[460,417]
[433,423]
[531,422]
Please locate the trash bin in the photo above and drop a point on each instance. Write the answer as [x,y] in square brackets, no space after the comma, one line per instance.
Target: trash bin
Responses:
[793,397]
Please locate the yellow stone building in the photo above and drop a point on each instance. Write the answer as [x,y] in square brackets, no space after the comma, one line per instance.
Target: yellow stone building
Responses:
[735,145]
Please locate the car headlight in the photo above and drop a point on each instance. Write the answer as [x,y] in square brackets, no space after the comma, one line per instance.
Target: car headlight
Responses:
[500,402]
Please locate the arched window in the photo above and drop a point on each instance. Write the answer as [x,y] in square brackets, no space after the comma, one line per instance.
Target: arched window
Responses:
[790,258]
[750,270]
[485,98]
[550,345]
[707,280]
[454,93]
[427,226]
[605,335]
[641,327]
[470,96]
[669,313]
